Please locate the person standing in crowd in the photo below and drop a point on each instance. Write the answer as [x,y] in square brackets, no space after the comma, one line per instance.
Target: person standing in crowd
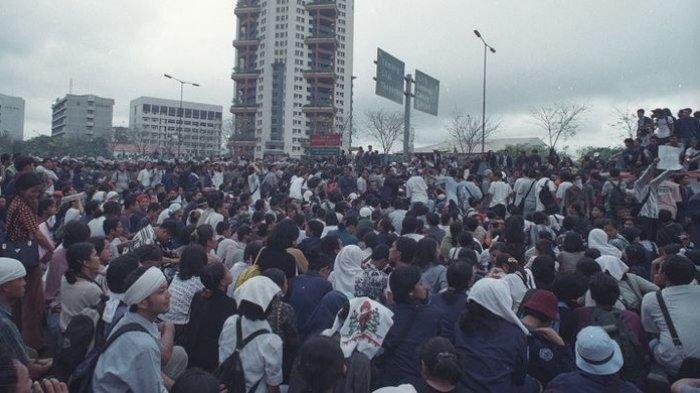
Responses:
[22,226]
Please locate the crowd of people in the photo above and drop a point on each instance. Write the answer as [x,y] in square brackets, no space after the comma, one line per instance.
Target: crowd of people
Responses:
[440,273]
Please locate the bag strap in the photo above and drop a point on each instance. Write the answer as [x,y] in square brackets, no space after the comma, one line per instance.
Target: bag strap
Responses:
[645,199]
[240,342]
[667,318]
[129,327]
[255,262]
[530,189]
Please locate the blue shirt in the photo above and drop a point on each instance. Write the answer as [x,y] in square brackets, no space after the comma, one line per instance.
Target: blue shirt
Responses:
[449,313]
[11,338]
[307,290]
[581,382]
[401,363]
[132,362]
[494,357]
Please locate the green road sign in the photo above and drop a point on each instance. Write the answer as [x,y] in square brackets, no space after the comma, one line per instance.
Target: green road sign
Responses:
[324,151]
[390,77]
[427,93]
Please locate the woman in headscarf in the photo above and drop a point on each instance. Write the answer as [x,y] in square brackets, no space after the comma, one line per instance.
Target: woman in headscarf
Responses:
[348,265]
[263,354]
[598,239]
[632,287]
[492,341]
[360,326]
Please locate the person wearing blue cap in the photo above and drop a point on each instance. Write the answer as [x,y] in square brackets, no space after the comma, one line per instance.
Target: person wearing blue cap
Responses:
[598,359]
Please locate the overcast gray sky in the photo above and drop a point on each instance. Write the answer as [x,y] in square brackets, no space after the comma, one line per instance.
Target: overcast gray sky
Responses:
[604,54]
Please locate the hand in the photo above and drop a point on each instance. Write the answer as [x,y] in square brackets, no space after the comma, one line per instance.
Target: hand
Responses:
[165,327]
[222,388]
[550,335]
[49,386]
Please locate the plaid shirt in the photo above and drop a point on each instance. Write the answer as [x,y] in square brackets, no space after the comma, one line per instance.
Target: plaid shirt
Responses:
[10,336]
[21,220]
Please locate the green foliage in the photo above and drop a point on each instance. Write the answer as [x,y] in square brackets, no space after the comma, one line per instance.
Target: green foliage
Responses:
[526,147]
[47,146]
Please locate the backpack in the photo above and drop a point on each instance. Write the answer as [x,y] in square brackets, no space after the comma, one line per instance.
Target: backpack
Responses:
[634,365]
[546,198]
[230,373]
[81,379]
[618,198]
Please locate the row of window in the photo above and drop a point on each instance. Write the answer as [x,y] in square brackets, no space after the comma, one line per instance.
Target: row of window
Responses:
[181,112]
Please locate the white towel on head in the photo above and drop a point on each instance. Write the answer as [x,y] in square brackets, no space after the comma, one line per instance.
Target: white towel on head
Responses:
[145,286]
[613,266]
[598,239]
[258,290]
[11,269]
[348,265]
[494,295]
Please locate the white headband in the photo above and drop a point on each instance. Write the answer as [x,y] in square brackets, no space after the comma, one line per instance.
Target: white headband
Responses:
[11,269]
[145,286]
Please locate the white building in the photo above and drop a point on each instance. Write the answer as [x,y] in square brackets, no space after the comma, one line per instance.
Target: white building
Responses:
[82,116]
[155,122]
[12,117]
[292,74]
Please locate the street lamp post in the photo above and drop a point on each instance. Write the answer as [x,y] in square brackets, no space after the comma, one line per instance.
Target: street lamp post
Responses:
[483,99]
[180,112]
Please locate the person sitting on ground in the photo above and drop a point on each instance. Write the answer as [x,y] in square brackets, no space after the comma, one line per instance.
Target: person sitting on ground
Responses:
[15,378]
[79,290]
[186,284]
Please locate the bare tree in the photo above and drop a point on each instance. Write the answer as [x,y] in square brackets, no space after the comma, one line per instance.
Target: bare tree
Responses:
[465,132]
[384,127]
[559,121]
[625,122]
[140,139]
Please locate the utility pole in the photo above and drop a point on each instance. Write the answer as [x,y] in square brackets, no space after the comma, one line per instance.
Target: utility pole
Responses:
[483,95]
[407,117]
[180,111]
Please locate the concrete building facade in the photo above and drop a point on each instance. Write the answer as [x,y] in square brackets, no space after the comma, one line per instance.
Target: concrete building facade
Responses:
[156,122]
[292,74]
[82,116]
[12,117]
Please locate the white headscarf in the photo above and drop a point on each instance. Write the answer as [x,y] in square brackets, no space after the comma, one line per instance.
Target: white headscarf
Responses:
[258,290]
[494,295]
[348,264]
[598,239]
[11,269]
[149,282]
[364,329]
[613,266]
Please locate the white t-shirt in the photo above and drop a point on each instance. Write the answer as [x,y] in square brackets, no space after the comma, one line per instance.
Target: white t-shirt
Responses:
[214,219]
[561,190]
[538,187]
[96,226]
[417,189]
[500,191]
[145,177]
[662,126]
[295,187]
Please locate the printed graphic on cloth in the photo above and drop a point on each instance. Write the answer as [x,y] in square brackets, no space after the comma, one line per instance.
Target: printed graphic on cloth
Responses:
[364,329]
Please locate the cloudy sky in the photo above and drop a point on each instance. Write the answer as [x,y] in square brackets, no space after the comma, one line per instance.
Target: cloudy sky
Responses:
[604,54]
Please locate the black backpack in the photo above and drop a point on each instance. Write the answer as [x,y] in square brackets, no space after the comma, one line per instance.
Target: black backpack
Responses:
[230,373]
[546,198]
[618,198]
[81,379]
[634,366]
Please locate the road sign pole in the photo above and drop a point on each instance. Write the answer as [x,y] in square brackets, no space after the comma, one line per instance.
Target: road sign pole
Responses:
[407,117]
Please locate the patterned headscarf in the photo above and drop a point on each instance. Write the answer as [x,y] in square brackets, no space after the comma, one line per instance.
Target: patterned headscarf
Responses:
[364,329]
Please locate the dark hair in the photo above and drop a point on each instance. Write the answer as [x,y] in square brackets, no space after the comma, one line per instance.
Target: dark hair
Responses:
[252,249]
[149,252]
[320,363]
[154,207]
[276,275]
[98,242]
[409,225]
[318,260]
[573,242]
[193,258]
[110,224]
[679,270]
[75,232]
[28,180]
[588,266]
[570,286]
[76,255]
[196,380]
[111,208]
[455,229]
[592,253]
[459,276]
[315,227]
[471,319]
[407,247]
[21,162]
[544,271]
[212,274]
[424,255]
[330,244]
[380,252]
[283,235]
[402,281]
[117,271]
[441,360]
[331,218]
[222,227]
[44,205]
[604,289]
[243,231]
[202,235]
[636,254]
[253,311]
[433,219]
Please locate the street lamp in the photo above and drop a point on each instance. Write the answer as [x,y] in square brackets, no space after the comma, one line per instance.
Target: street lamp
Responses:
[179,128]
[483,101]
